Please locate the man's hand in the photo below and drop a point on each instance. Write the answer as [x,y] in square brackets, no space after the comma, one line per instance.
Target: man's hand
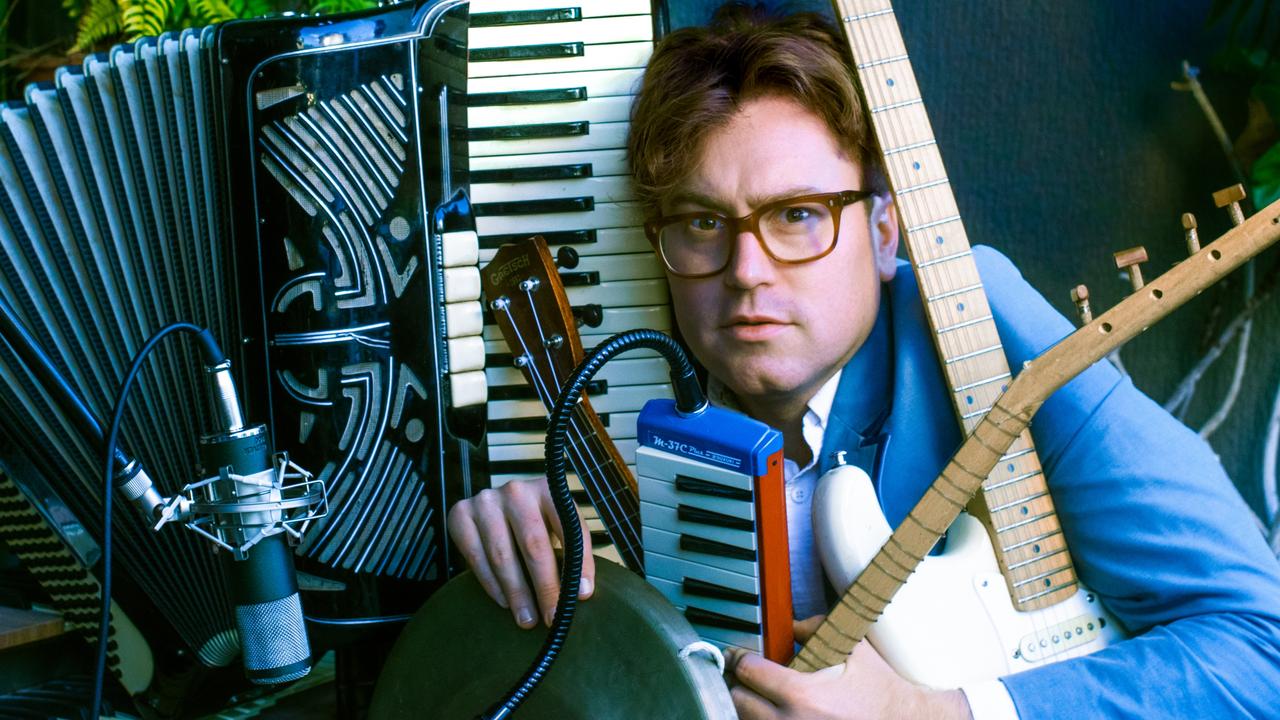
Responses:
[489,527]
[864,687]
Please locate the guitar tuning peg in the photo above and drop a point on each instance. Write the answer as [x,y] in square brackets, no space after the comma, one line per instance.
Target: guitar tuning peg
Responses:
[566,257]
[1131,262]
[1230,198]
[1193,237]
[1080,296]
[591,314]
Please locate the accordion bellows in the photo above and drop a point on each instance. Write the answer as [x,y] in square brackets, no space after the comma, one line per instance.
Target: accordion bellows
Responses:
[294,185]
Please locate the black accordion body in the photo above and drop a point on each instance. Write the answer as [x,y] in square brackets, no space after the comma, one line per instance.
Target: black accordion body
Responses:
[303,187]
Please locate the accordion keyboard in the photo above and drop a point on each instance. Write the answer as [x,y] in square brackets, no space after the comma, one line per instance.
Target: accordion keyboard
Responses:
[550,92]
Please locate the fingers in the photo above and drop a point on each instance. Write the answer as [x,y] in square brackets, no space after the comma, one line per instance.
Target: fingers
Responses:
[501,552]
[466,537]
[751,706]
[804,629]
[523,512]
[587,587]
[766,678]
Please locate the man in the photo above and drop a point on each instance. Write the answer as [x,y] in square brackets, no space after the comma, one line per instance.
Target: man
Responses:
[750,152]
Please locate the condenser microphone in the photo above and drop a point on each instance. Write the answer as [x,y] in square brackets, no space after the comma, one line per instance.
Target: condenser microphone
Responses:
[244,501]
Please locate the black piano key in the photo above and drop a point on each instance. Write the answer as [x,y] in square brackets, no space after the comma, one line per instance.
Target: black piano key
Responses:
[535,207]
[708,517]
[702,588]
[527,97]
[567,237]
[528,424]
[530,174]
[526,17]
[517,467]
[576,128]
[693,543]
[579,279]
[525,392]
[600,538]
[698,616]
[684,483]
[529,52]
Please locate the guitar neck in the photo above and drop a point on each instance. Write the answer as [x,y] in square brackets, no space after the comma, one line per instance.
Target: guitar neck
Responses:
[1015,503]
[608,483]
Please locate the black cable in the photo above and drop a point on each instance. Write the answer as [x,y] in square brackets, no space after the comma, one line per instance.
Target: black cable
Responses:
[210,349]
[689,400]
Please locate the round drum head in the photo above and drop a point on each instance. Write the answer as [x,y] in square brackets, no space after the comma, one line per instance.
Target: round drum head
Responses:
[461,653]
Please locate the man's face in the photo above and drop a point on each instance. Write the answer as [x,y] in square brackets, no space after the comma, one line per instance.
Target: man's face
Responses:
[769,331]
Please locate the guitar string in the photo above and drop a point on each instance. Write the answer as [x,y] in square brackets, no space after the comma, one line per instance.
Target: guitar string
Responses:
[875,94]
[627,544]
[607,501]
[625,531]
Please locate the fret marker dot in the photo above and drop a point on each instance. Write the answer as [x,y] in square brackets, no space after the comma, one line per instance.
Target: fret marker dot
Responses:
[889,82]
[1035,548]
[939,240]
[1011,467]
[1047,582]
[969,399]
[1003,388]
[915,165]
[1025,510]
[960,307]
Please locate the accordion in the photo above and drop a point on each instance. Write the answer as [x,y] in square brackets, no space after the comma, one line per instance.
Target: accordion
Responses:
[318,192]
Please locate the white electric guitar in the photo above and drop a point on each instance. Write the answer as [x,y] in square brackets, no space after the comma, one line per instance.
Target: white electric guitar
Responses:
[1004,596]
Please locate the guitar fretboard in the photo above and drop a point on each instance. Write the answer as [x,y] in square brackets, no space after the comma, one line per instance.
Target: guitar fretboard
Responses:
[1029,545]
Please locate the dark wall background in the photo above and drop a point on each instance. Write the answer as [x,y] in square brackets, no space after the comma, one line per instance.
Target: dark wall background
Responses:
[1065,143]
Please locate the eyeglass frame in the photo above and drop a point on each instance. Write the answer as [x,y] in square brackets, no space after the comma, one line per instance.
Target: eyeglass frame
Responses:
[835,201]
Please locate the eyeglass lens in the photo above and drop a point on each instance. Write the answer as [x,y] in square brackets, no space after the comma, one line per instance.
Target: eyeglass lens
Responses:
[794,232]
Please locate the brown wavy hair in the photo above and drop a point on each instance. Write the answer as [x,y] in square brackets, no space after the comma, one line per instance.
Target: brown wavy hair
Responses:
[698,77]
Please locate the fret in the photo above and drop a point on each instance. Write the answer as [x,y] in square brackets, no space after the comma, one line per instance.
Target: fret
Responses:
[973,354]
[875,36]
[984,381]
[1026,555]
[912,167]
[1040,577]
[1021,523]
[875,110]
[1025,542]
[906,125]
[889,82]
[927,204]
[882,61]
[970,276]
[944,236]
[922,186]
[1051,596]
[908,148]
[976,413]
[1015,479]
[1019,501]
[966,340]
[948,294]
[964,324]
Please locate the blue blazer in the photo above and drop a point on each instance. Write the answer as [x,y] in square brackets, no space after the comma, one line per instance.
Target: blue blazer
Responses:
[1156,528]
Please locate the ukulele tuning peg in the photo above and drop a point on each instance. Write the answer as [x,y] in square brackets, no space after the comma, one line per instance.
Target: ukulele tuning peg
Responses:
[1080,296]
[1192,236]
[1131,261]
[1230,198]
[567,257]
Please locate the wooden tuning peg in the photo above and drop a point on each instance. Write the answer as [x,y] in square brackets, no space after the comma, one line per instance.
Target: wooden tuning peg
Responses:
[1080,296]
[1230,198]
[1193,237]
[1131,262]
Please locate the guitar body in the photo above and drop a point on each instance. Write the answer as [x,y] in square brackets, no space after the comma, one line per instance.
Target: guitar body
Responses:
[953,622]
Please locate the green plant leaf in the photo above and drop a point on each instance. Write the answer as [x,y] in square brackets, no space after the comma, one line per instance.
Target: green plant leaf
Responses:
[335,7]
[145,17]
[208,12]
[252,8]
[1265,180]
[99,20]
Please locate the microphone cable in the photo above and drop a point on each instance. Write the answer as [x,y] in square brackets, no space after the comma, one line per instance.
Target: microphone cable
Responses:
[209,348]
[689,400]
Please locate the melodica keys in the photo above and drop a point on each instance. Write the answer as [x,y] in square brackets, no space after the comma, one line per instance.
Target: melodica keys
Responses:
[714,524]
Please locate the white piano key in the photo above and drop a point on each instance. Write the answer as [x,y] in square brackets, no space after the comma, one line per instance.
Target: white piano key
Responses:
[604,215]
[600,136]
[537,451]
[676,569]
[592,57]
[622,426]
[668,543]
[723,637]
[660,464]
[609,241]
[462,319]
[625,28]
[620,371]
[625,399]
[588,8]
[665,518]
[466,354]
[598,83]
[610,188]
[595,110]
[461,283]
[603,162]
[661,492]
[466,389]
[460,248]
